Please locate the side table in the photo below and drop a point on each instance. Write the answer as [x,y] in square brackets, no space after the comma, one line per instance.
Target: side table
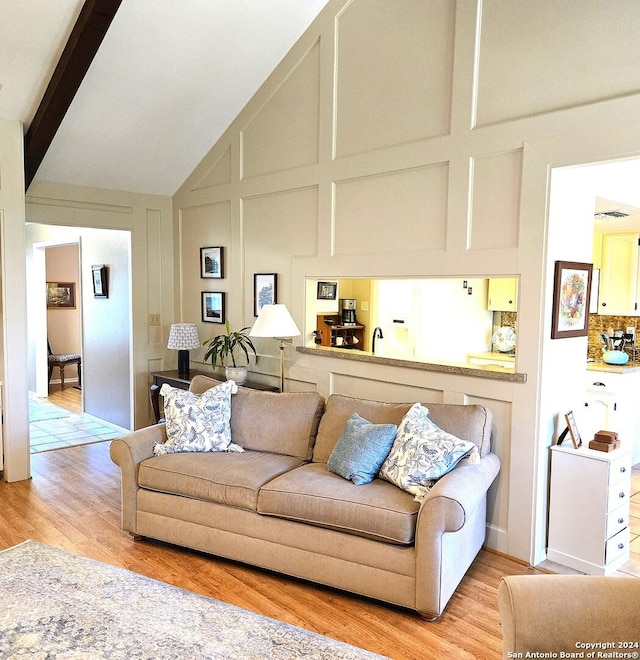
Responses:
[174,379]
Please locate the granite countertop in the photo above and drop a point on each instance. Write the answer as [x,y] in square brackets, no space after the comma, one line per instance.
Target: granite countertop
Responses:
[483,371]
[599,365]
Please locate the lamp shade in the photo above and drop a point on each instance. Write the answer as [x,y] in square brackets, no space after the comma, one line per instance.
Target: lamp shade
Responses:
[274,321]
[183,336]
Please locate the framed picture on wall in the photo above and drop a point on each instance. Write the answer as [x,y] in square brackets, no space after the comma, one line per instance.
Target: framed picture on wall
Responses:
[213,307]
[61,294]
[100,283]
[327,290]
[212,262]
[571,294]
[265,291]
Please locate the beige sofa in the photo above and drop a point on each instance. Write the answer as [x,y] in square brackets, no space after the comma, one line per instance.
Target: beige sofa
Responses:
[581,616]
[277,506]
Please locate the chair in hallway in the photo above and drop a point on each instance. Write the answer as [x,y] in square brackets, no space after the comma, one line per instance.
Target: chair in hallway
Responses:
[61,360]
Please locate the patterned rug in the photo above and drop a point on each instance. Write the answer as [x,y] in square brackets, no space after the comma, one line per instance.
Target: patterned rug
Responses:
[59,605]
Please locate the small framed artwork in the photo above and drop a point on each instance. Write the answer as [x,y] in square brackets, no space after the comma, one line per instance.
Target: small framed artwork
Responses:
[213,306]
[571,294]
[327,290]
[265,291]
[100,283]
[572,428]
[61,295]
[212,262]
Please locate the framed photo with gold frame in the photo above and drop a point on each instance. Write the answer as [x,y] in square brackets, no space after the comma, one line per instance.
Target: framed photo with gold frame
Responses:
[61,295]
[572,428]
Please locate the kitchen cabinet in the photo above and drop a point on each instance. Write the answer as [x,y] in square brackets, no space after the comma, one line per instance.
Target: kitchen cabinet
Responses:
[502,294]
[618,293]
[589,509]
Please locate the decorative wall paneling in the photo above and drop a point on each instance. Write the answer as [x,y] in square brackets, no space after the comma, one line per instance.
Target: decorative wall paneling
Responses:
[425,119]
[391,206]
[541,57]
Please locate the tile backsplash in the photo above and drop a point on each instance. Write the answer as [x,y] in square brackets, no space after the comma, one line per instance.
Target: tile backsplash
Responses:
[598,324]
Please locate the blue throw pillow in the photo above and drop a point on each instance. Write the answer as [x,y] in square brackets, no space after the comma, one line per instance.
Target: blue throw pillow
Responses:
[361,449]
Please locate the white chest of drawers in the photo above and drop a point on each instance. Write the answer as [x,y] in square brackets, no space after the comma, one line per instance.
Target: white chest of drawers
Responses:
[589,509]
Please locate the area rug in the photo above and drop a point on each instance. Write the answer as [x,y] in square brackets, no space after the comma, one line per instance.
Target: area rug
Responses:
[41,411]
[59,605]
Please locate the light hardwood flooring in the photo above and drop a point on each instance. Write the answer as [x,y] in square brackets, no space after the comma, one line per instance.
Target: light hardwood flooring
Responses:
[69,398]
[73,502]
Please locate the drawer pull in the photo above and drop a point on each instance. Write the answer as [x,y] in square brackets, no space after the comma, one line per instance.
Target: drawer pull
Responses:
[622,494]
[623,469]
[620,546]
[620,521]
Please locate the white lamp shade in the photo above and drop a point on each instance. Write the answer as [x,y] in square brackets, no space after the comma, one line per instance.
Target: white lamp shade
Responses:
[183,336]
[274,321]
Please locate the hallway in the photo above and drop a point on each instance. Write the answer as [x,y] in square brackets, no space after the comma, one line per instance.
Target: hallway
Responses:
[58,430]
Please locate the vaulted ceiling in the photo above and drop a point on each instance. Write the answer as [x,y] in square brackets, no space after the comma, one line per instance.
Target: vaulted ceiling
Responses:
[166,81]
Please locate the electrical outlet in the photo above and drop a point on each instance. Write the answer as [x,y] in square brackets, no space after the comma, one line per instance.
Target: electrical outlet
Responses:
[154,319]
[364,306]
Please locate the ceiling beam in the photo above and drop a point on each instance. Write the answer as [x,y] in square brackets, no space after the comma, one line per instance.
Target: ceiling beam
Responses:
[85,39]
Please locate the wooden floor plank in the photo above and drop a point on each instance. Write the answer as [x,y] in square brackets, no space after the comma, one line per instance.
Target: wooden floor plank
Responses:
[73,502]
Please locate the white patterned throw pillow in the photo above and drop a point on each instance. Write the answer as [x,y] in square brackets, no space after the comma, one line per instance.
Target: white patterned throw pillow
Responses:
[422,453]
[197,422]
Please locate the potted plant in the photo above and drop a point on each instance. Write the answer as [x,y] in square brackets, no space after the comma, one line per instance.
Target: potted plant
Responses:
[220,350]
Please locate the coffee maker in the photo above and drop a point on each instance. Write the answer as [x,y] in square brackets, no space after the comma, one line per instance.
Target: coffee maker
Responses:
[348,307]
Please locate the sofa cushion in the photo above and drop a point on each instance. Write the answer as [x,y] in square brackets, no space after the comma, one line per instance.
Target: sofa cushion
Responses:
[282,423]
[338,410]
[468,422]
[422,453]
[314,495]
[225,478]
[197,422]
[361,449]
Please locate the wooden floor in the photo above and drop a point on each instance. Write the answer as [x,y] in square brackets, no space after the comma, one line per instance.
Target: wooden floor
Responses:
[73,502]
[69,398]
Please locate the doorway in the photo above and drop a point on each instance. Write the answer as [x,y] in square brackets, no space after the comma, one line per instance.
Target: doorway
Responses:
[104,326]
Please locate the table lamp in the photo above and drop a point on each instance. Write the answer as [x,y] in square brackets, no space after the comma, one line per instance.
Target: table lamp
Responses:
[276,322]
[182,337]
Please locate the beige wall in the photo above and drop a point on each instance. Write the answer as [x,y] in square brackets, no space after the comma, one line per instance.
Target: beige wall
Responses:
[415,138]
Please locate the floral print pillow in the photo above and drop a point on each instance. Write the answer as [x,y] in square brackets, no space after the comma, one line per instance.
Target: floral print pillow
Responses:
[197,422]
[422,453]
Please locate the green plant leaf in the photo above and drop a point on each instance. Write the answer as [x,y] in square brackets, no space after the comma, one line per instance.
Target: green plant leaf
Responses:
[223,347]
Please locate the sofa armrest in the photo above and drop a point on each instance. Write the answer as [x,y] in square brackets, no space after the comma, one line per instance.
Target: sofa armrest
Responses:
[556,613]
[457,503]
[128,452]
[458,492]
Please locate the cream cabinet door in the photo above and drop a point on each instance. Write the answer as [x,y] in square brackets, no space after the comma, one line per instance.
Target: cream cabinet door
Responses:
[503,293]
[619,274]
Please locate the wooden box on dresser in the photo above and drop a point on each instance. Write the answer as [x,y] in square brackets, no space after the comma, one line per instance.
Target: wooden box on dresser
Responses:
[589,508]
